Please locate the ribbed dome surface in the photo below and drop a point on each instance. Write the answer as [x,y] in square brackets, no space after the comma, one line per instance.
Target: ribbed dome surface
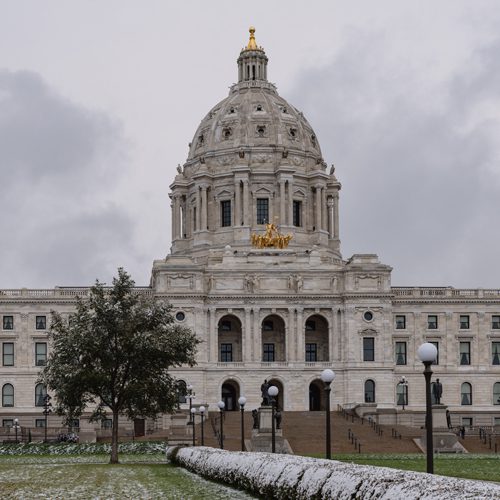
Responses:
[253,116]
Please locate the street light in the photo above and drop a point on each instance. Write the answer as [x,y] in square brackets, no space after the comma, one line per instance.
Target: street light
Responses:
[242,401]
[221,406]
[190,395]
[403,383]
[193,412]
[16,427]
[427,353]
[327,377]
[273,392]
[47,409]
[202,413]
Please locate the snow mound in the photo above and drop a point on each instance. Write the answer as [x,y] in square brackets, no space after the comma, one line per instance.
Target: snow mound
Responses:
[288,476]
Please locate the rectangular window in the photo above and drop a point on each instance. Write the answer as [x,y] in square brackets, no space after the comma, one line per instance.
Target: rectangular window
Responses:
[495,353]
[40,353]
[464,322]
[495,322]
[262,210]
[400,322]
[401,353]
[467,421]
[8,354]
[432,322]
[465,353]
[226,353]
[268,352]
[297,213]
[8,322]
[41,322]
[496,421]
[8,422]
[40,423]
[107,423]
[225,213]
[368,349]
[311,352]
[436,344]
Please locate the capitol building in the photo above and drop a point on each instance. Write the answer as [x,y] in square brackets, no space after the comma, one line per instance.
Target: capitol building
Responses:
[256,271]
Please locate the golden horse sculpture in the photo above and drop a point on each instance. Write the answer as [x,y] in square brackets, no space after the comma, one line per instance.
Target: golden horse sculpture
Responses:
[272,238]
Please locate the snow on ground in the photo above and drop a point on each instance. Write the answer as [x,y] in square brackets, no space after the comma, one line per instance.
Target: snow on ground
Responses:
[287,476]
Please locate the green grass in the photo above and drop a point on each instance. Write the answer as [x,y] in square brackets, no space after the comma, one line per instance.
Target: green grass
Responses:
[90,477]
[468,466]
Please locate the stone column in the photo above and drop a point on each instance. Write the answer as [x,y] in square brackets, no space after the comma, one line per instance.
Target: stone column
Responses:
[324,215]
[198,209]
[331,225]
[172,211]
[237,204]
[290,202]
[291,335]
[213,336]
[176,217]
[299,331]
[331,335]
[246,207]
[318,208]
[282,203]
[248,339]
[204,208]
[336,215]
[257,335]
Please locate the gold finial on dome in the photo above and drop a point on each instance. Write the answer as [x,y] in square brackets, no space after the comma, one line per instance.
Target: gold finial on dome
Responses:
[252,44]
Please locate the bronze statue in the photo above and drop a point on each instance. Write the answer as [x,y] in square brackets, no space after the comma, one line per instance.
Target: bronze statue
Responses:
[277,416]
[437,391]
[265,395]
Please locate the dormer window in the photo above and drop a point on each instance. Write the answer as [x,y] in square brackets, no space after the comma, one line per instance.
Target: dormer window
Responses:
[284,110]
[201,140]
[258,108]
[261,130]
[293,133]
[227,133]
[313,140]
[231,110]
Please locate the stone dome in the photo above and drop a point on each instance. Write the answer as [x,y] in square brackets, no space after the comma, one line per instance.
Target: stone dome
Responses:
[253,117]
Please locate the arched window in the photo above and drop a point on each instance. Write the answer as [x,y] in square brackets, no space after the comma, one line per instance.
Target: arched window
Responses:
[369,391]
[466,394]
[40,393]
[8,395]
[496,393]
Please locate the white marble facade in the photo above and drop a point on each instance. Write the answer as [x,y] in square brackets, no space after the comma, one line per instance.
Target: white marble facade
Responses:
[282,314]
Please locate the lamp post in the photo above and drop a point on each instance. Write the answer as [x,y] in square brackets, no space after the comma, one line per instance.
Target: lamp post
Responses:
[16,427]
[273,392]
[221,406]
[427,353]
[327,377]
[47,409]
[190,395]
[242,401]
[202,413]
[192,411]
[404,384]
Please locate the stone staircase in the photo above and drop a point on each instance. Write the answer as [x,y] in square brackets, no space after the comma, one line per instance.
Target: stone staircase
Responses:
[305,432]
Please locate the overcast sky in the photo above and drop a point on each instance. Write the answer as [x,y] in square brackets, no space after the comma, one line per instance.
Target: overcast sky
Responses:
[99,100]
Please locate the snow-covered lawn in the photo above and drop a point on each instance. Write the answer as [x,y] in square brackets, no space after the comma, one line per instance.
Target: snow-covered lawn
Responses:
[286,476]
[69,480]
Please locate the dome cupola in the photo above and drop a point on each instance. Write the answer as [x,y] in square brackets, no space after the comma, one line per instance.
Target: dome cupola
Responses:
[252,63]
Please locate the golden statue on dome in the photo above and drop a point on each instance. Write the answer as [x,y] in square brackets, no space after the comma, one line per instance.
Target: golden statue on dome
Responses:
[252,44]
[272,238]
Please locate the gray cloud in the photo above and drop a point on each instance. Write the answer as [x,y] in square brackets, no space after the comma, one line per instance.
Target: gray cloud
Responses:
[59,165]
[419,163]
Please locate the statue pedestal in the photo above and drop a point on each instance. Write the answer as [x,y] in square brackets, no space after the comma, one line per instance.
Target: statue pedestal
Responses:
[439,417]
[262,437]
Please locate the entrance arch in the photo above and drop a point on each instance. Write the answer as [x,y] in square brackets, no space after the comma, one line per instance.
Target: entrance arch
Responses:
[273,339]
[280,398]
[229,339]
[316,396]
[229,394]
[316,339]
